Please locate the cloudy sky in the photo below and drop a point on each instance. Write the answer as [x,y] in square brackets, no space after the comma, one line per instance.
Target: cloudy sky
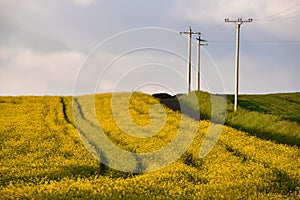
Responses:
[61,47]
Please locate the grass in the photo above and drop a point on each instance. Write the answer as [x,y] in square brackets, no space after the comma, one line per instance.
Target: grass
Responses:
[273,116]
[286,106]
[43,156]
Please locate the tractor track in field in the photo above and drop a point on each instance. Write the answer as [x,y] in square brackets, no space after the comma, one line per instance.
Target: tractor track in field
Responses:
[64,110]
[97,148]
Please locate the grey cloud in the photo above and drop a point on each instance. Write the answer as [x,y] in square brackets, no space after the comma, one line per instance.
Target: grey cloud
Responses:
[49,29]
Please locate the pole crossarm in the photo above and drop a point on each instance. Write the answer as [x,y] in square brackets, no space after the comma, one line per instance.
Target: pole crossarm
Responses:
[239,20]
[201,40]
[189,32]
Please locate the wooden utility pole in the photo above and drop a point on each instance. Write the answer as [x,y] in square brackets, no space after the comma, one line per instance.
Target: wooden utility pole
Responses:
[189,67]
[238,24]
[199,40]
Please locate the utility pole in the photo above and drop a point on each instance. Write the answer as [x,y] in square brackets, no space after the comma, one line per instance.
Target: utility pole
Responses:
[189,67]
[199,40]
[238,24]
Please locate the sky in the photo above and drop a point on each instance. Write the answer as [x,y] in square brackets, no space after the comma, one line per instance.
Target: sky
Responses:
[69,47]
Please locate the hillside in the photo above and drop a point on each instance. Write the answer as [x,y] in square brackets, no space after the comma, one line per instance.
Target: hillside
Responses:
[273,117]
[43,156]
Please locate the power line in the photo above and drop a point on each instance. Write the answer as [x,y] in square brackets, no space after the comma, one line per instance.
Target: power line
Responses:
[283,11]
[217,29]
[282,15]
[253,42]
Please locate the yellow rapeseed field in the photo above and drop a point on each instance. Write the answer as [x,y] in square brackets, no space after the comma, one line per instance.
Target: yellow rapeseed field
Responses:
[43,155]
